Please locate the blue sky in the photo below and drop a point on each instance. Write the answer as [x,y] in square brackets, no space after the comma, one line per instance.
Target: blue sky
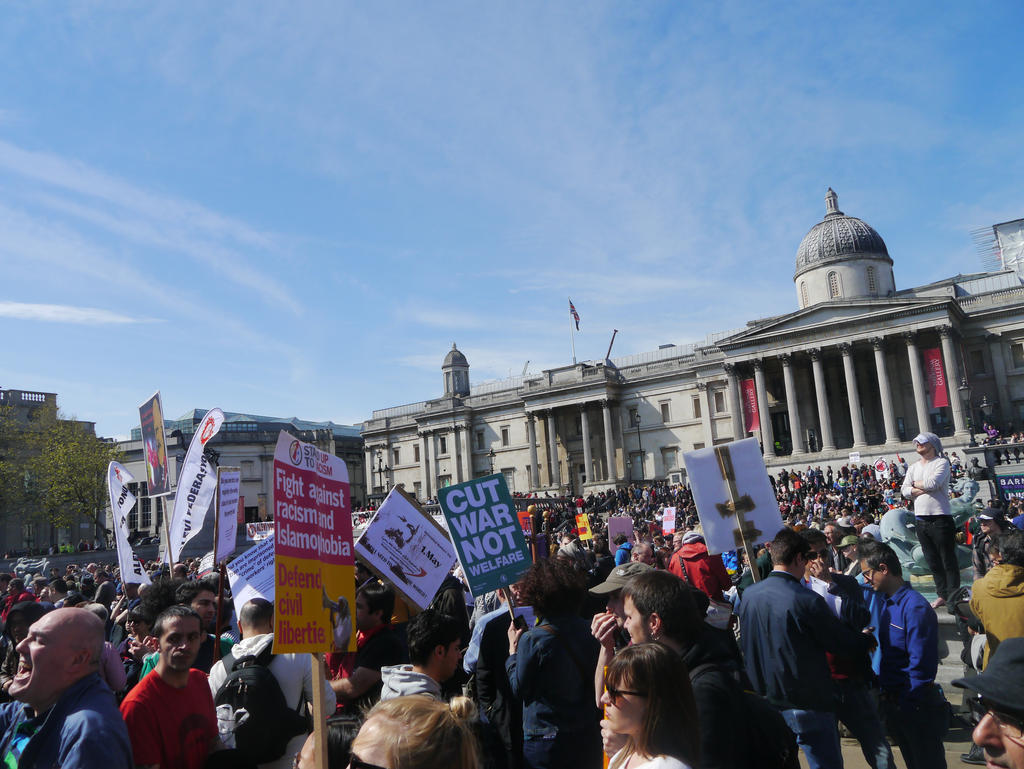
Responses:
[295,208]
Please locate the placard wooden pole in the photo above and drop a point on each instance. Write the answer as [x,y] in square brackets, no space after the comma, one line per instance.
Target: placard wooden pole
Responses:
[319,706]
[738,505]
[222,577]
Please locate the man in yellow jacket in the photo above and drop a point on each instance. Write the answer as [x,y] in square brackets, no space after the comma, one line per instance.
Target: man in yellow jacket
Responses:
[998,598]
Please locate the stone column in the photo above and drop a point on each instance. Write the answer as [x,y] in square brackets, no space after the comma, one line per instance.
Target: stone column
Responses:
[467,451]
[885,392]
[531,436]
[705,415]
[588,458]
[609,443]
[767,438]
[952,380]
[556,478]
[1001,413]
[795,430]
[370,472]
[735,402]
[425,465]
[828,443]
[917,380]
[852,396]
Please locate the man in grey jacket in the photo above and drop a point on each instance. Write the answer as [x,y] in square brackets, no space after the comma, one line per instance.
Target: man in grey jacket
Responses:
[435,649]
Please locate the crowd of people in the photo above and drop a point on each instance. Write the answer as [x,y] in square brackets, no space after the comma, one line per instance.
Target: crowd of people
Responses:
[648,652]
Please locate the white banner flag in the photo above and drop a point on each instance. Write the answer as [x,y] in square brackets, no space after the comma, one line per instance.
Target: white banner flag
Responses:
[229,480]
[121,503]
[196,485]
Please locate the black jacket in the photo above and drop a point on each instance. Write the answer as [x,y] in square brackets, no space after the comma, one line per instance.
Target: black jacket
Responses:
[715,674]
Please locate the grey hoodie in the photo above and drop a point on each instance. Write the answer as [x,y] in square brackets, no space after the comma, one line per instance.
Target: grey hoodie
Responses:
[400,680]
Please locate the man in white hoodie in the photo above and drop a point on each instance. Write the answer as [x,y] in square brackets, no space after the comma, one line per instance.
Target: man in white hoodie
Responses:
[292,671]
[435,649]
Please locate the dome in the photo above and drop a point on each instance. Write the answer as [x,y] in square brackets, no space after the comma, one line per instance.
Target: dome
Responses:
[454,358]
[838,237]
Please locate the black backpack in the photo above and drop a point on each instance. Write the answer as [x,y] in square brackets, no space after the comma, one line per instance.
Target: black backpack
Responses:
[770,743]
[271,724]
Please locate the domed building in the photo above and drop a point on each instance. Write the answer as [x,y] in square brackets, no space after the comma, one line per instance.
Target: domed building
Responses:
[859,368]
[842,257]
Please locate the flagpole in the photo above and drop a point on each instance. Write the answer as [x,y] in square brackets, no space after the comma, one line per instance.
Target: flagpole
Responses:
[572,335]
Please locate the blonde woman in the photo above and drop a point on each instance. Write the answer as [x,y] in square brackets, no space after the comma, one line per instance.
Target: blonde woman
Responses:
[417,732]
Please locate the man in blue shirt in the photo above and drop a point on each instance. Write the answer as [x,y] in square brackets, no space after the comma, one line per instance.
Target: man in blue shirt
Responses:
[916,711]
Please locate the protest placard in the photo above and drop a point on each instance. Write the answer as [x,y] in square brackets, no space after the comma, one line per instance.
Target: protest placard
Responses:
[735,501]
[620,524]
[229,480]
[314,566]
[583,526]
[254,532]
[882,469]
[854,457]
[251,575]
[487,536]
[668,521]
[406,546]
[154,446]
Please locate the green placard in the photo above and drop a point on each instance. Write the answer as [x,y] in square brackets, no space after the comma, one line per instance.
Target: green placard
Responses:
[483,526]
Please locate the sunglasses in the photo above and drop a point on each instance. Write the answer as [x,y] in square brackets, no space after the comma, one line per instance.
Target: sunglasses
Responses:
[1010,725]
[358,763]
[614,694]
[811,555]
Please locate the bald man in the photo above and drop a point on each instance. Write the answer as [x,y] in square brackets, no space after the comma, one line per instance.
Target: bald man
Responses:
[63,714]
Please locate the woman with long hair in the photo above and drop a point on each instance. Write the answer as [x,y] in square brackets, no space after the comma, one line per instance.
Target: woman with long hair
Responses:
[648,699]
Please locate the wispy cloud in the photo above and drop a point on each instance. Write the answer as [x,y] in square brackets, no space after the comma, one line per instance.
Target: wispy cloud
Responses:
[62,313]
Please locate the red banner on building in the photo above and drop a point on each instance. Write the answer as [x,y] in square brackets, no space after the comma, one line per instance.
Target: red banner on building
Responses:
[936,376]
[752,419]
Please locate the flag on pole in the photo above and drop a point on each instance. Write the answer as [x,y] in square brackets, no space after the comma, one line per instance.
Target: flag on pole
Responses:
[575,315]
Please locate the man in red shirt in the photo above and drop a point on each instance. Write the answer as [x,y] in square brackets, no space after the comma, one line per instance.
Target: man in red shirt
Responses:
[692,563]
[170,713]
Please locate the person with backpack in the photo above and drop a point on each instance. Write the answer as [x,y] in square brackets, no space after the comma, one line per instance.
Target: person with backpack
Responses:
[272,688]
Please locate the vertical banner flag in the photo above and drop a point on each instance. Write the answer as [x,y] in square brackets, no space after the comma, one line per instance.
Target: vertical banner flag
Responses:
[406,546]
[121,503]
[583,526]
[488,539]
[229,480]
[751,416]
[154,446]
[196,485]
[936,376]
[668,521]
[314,565]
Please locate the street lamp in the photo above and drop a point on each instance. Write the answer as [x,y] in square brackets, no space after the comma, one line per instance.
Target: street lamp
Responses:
[965,398]
[641,445]
[490,456]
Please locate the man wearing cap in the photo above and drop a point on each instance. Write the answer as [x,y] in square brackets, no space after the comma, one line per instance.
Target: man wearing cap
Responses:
[608,626]
[991,522]
[999,705]
[926,485]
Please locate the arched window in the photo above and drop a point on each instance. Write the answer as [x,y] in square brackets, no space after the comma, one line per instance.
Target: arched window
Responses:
[872,281]
[803,293]
[833,285]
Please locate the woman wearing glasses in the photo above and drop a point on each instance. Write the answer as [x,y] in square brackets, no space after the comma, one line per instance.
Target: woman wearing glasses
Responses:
[648,699]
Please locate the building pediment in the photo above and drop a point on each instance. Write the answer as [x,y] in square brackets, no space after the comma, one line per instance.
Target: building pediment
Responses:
[830,319]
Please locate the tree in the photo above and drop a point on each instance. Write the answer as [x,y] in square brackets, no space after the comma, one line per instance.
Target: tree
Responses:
[53,469]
